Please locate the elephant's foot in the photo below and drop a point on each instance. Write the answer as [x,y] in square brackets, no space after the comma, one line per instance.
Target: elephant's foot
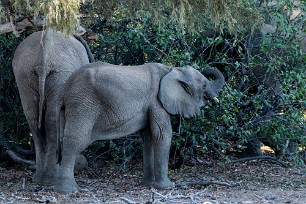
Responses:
[44,179]
[38,178]
[164,184]
[50,175]
[66,185]
[147,182]
[50,180]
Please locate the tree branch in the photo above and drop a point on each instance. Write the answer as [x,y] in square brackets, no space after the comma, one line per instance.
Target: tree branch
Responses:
[169,198]
[19,160]
[25,23]
[127,200]
[19,27]
[261,158]
[205,183]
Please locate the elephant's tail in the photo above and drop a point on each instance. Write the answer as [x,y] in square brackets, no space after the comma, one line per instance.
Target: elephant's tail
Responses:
[84,43]
[60,131]
[41,104]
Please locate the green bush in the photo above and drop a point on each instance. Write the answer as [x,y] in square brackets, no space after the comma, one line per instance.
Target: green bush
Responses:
[247,109]
[12,120]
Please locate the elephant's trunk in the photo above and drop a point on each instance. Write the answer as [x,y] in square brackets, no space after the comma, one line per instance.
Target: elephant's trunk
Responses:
[216,83]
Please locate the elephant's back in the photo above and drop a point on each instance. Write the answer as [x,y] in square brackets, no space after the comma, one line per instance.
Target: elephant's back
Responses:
[120,85]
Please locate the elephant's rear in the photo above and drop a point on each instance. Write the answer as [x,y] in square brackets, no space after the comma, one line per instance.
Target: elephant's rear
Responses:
[27,59]
[28,55]
[42,63]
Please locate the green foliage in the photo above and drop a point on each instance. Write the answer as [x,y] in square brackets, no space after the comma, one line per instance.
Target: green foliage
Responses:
[247,109]
[61,14]
[64,15]
[233,15]
[12,121]
[2,14]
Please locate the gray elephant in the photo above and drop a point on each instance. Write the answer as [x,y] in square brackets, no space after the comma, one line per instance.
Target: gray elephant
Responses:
[41,64]
[103,101]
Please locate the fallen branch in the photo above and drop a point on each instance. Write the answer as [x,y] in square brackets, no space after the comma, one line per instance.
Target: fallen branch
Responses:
[261,158]
[128,200]
[170,197]
[205,183]
[19,160]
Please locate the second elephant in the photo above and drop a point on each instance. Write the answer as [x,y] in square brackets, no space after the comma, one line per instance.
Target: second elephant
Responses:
[42,63]
[103,101]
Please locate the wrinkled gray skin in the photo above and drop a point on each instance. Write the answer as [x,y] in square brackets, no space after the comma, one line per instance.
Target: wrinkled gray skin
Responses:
[103,101]
[41,64]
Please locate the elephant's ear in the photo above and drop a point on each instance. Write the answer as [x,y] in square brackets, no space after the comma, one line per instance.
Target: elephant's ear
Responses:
[176,94]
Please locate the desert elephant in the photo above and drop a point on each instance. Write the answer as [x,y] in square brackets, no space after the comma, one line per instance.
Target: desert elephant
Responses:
[41,64]
[103,101]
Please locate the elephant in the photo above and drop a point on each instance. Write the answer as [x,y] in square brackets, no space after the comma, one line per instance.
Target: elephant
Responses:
[41,65]
[101,101]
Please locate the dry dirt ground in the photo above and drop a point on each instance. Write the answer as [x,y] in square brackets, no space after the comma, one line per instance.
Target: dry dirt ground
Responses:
[249,182]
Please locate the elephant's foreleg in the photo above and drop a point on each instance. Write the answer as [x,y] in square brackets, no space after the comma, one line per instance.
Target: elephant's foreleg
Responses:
[148,157]
[161,161]
[160,125]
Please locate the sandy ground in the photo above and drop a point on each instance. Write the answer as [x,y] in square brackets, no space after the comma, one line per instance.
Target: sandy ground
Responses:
[239,183]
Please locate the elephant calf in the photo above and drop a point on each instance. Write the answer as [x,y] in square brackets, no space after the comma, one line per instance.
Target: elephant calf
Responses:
[103,101]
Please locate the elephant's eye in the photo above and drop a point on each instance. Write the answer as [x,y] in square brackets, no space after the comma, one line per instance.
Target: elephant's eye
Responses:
[185,87]
[204,86]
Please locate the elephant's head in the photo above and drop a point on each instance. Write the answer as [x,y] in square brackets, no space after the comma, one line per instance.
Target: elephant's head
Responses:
[185,90]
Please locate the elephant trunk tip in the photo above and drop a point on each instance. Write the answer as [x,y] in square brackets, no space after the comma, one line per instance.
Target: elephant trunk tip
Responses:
[218,80]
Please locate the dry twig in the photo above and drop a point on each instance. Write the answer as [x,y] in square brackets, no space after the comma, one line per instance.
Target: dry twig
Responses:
[127,200]
[168,198]
[205,183]
[261,158]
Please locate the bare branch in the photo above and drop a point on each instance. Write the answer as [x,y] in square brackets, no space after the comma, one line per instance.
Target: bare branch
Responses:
[128,200]
[25,23]
[261,158]
[172,198]
[19,27]
[205,183]
[14,28]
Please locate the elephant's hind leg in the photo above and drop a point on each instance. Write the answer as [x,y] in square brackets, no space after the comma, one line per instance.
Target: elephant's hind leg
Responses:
[77,136]
[29,102]
[50,168]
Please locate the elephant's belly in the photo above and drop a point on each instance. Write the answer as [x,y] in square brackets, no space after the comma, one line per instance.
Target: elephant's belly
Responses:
[112,129]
